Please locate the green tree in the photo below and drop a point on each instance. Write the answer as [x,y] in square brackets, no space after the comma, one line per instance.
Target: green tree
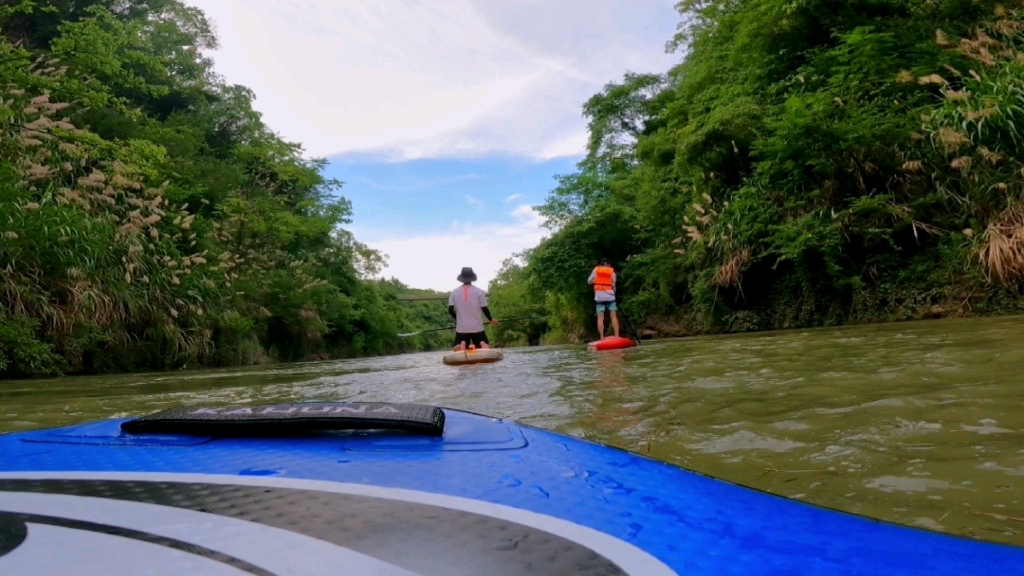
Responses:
[150,219]
[805,163]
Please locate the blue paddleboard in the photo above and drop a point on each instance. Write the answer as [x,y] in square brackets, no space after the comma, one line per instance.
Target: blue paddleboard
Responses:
[390,489]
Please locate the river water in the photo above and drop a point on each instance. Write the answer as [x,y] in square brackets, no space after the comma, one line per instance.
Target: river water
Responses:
[919,423]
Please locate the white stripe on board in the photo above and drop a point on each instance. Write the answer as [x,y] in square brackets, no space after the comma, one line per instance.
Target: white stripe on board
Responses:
[629,558]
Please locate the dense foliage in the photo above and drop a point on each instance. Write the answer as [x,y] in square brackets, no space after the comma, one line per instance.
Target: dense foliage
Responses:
[809,162]
[149,219]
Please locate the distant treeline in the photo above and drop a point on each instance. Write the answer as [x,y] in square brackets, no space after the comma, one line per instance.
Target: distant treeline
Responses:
[809,162]
[149,219]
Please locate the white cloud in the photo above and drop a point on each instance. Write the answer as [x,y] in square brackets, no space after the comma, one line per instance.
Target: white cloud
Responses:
[434,260]
[513,198]
[529,217]
[435,78]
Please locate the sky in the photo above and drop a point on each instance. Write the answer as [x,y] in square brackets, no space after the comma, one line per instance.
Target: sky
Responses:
[447,120]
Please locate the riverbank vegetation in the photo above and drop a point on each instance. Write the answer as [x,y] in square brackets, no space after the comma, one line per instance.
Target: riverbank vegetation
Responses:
[807,163]
[150,220]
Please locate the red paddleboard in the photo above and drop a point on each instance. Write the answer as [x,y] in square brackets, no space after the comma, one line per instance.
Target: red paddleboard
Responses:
[613,343]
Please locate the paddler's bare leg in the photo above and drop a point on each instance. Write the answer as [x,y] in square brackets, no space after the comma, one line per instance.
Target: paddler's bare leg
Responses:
[615,322]
[483,343]
[600,325]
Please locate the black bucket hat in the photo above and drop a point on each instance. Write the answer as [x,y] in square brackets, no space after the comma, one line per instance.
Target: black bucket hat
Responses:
[467,276]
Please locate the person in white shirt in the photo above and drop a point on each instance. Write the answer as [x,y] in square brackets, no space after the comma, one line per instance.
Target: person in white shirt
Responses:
[466,304]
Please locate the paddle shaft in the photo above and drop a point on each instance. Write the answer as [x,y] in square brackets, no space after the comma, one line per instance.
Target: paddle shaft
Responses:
[630,324]
[452,327]
[426,331]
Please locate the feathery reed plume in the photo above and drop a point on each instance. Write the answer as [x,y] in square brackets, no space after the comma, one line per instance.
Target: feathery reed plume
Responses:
[952,139]
[913,166]
[931,79]
[957,96]
[961,163]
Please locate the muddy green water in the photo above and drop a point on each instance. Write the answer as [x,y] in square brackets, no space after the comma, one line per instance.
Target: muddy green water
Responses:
[918,423]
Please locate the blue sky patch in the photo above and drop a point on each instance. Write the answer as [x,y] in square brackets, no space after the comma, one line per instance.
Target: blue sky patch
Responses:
[420,196]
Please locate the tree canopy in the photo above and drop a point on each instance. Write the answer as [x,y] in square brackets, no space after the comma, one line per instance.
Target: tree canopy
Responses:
[806,163]
[148,217]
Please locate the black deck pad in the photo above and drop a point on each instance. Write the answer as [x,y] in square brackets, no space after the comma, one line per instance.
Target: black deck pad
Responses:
[282,419]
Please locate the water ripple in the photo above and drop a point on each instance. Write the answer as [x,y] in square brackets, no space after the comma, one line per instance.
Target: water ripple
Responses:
[917,423]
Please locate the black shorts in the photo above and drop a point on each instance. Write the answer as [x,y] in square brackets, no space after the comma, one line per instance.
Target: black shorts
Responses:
[476,339]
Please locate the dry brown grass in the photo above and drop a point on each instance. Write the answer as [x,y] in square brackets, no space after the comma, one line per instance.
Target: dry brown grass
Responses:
[731,273]
[1002,247]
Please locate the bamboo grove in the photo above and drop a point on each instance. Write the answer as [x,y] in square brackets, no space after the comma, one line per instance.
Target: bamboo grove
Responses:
[149,219]
[807,163]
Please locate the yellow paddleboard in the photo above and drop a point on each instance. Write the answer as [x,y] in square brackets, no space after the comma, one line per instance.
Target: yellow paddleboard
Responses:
[473,357]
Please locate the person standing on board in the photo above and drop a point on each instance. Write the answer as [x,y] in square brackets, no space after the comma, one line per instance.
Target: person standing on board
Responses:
[603,279]
[466,304]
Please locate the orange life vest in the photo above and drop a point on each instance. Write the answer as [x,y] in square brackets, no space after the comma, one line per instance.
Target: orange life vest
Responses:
[603,278]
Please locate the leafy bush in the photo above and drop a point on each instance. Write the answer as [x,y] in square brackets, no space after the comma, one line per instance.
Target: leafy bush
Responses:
[806,163]
[21,352]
